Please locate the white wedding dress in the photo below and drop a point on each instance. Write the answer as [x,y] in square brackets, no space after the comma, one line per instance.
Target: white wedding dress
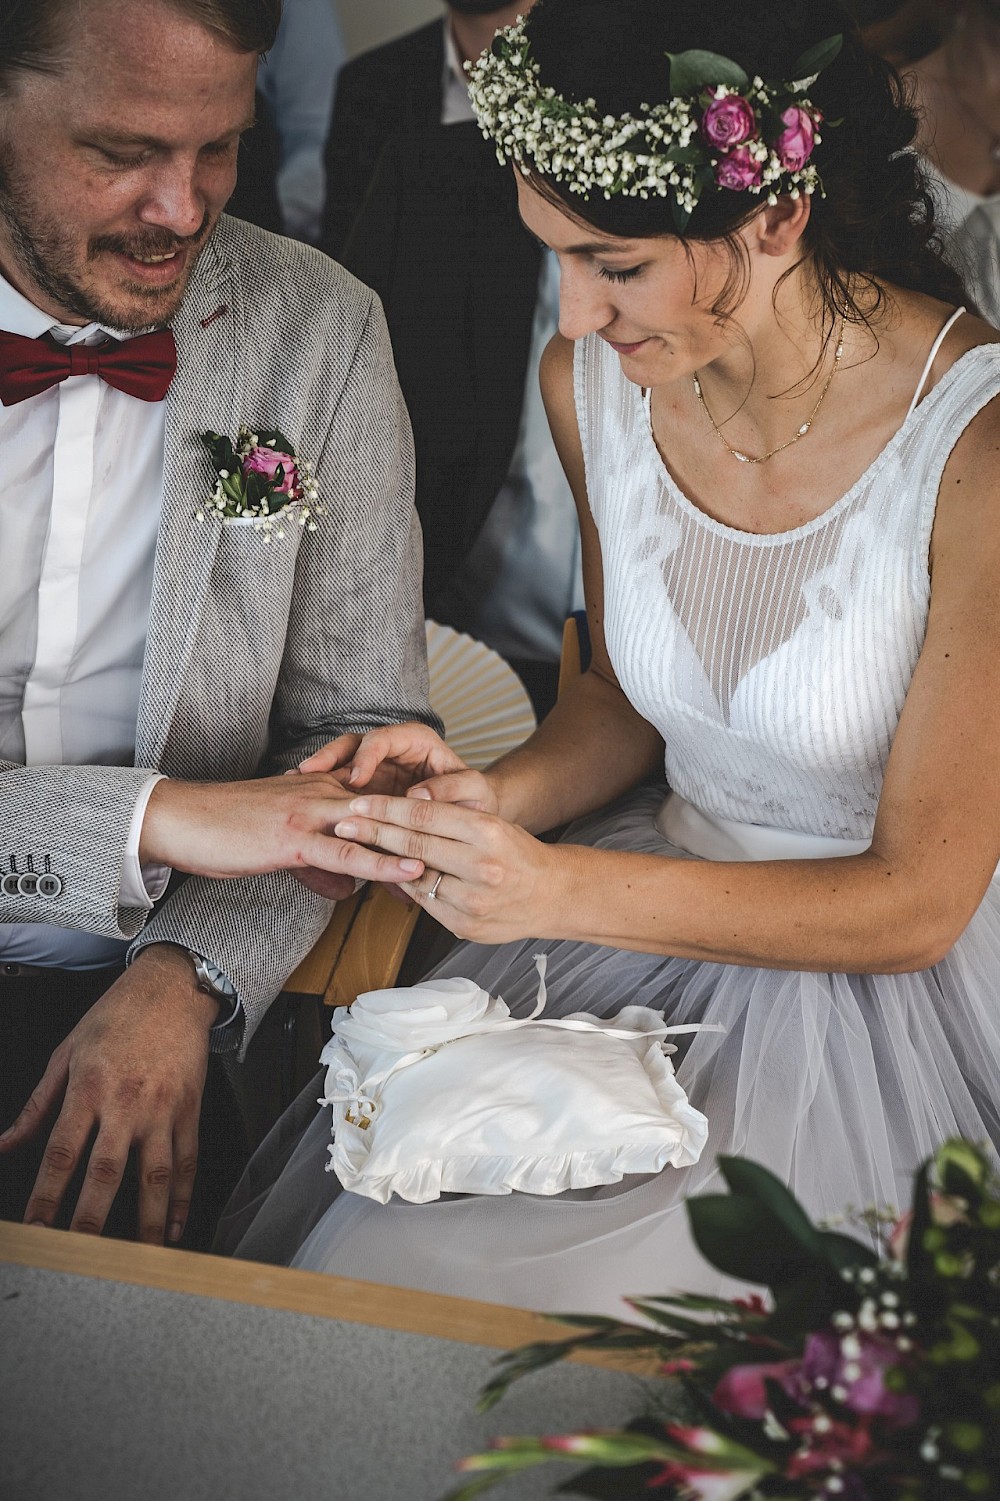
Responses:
[775,668]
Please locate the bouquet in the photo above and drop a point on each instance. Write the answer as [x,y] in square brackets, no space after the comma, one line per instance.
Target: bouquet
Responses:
[871,1371]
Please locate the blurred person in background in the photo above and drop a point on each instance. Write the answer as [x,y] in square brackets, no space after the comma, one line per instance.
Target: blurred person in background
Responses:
[419,209]
[282,178]
[956,84]
[902,33]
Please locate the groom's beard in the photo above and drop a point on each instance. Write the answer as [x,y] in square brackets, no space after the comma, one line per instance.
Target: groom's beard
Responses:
[69,274]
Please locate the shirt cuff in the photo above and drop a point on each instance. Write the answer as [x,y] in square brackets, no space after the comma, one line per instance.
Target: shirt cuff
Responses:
[141,885]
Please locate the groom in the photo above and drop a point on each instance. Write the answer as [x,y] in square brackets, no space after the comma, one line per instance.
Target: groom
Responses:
[141,633]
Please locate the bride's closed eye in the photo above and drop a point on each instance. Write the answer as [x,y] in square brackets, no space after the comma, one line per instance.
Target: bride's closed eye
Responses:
[626,274]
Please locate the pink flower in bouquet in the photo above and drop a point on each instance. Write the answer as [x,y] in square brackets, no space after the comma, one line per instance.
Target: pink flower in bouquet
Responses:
[742,1390]
[857,1364]
[266,461]
[700,1478]
[703,1485]
[795,143]
[738,170]
[728,121]
[834,1446]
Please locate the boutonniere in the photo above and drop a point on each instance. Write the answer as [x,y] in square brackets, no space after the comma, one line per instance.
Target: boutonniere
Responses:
[261,480]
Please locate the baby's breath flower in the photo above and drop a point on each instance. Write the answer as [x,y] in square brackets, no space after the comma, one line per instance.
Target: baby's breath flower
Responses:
[536,128]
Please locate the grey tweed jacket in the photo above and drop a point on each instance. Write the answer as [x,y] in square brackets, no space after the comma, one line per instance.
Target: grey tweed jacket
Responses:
[257,653]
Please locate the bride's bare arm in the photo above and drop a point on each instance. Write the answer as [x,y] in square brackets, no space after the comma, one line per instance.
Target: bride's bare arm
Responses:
[593,746]
[900,906]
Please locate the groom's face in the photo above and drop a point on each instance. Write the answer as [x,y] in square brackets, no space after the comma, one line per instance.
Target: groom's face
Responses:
[115,167]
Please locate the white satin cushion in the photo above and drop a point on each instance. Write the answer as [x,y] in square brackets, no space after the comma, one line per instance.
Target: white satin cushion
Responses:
[459,1097]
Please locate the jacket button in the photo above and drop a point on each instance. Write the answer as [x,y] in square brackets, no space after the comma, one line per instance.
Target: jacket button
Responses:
[27,884]
[9,884]
[49,885]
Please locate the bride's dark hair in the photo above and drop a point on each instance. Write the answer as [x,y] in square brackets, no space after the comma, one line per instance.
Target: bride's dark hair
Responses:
[876,221]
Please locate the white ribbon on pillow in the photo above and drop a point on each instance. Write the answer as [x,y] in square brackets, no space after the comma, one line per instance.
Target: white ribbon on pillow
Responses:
[566,1117]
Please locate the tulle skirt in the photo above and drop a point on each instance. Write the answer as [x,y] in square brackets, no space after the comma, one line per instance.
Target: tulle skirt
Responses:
[840,1084]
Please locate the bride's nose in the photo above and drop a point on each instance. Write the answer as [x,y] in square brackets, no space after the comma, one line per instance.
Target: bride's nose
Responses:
[584,302]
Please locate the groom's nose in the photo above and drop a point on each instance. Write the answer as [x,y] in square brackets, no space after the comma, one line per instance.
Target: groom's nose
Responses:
[175,198]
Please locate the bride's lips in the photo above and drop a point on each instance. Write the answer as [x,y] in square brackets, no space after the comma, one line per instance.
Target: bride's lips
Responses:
[627,349]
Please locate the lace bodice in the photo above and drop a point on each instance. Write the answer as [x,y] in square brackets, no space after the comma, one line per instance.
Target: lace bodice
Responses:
[775,667]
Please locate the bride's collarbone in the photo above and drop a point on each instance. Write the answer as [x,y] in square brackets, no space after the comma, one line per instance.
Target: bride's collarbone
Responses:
[786,491]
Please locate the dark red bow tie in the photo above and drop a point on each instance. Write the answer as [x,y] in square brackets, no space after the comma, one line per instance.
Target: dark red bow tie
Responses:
[142,367]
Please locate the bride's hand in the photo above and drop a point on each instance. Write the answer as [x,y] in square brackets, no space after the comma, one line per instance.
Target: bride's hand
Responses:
[388,760]
[469,789]
[498,882]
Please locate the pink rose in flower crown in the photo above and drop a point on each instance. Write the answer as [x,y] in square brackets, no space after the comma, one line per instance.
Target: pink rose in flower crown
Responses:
[266,461]
[728,121]
[795,144]
[738,170]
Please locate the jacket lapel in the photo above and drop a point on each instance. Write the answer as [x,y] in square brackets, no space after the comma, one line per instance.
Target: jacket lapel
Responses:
[204,395]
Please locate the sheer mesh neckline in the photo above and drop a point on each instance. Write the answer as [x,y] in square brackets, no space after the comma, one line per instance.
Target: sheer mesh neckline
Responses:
[833,510]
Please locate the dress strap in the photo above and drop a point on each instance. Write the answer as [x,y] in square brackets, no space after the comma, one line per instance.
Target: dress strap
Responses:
[930,360]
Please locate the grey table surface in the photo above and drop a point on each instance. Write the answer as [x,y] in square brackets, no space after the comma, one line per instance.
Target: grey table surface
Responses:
[114,1392]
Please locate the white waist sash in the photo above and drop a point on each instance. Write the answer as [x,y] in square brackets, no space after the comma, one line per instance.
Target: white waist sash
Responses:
[713,838]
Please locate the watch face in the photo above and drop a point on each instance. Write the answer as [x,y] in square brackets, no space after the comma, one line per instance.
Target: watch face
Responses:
[212,979]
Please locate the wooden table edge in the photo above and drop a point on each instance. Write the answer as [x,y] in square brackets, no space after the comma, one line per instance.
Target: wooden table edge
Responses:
[315,1294]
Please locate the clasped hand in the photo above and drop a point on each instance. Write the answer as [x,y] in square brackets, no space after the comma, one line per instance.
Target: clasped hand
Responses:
[225,830]
[496,880]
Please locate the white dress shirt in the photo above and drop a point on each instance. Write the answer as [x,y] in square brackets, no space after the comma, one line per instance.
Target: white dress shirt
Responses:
[523,576]
[79,512]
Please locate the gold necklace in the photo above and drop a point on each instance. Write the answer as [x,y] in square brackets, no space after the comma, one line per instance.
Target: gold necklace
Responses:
[749,458]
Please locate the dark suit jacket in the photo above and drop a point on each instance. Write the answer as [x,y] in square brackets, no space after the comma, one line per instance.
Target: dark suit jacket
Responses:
[255,197]
[393,88]
[440,241]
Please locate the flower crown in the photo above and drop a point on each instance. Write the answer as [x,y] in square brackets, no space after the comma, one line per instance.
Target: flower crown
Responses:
[721,129]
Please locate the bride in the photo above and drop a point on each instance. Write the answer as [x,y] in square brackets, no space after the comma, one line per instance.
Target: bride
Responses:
[781,431]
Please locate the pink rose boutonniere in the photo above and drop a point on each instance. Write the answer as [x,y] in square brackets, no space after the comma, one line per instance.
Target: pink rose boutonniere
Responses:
[260,480]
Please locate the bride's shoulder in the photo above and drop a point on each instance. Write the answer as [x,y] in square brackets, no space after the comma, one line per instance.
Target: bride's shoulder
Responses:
[923,322]
[557,360]
[555,373]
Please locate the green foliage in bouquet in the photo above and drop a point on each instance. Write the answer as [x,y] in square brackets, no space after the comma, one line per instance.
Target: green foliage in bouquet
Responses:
[864,1376]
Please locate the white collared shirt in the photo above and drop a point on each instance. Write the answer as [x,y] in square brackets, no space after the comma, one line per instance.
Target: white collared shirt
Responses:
[456,106]
[79,512]
[523,576]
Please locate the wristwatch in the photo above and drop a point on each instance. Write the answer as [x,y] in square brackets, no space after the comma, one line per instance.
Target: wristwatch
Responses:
[212,981]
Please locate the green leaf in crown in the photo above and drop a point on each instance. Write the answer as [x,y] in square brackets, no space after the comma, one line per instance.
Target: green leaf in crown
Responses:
[813,61]
[690,72]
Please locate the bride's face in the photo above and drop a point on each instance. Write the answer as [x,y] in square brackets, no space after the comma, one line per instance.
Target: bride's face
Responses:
[650,299]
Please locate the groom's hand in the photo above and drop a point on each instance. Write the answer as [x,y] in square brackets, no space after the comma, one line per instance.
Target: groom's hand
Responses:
[133,1072]
[246,828]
